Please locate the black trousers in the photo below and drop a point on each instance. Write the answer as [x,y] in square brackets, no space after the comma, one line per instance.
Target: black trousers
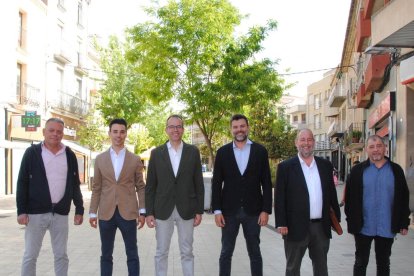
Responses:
[382,254]
[317,243]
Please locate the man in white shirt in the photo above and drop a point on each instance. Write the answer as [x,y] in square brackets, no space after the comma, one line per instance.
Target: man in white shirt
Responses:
[174,195]
[304,193]
[117,183]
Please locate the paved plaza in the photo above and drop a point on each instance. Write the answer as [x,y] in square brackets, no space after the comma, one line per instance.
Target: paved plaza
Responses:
[84,249]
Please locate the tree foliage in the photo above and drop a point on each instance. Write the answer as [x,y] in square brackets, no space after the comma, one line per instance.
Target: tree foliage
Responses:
[91,134]
[270,128]
[189,52]
[120,97]
[141,139]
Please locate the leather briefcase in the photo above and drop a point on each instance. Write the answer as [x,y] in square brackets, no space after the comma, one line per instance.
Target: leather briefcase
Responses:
[334,222]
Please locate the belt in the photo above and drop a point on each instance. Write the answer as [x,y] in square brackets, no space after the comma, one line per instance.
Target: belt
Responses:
[315,220]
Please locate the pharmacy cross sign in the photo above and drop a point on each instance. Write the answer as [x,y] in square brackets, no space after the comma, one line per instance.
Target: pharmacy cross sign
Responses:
[30,121]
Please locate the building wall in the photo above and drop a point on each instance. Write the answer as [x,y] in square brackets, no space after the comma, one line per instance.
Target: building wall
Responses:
[33,54]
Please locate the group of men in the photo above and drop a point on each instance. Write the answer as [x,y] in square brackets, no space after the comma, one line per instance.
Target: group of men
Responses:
[376,199]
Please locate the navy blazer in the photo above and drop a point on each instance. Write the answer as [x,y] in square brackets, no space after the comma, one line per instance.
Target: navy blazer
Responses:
[251,190]
[292,198]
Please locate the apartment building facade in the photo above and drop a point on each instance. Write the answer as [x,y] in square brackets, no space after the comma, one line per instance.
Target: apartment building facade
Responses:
[375,81]
[319,115]
[45,73]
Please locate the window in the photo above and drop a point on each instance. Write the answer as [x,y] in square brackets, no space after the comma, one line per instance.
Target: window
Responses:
[19,82]
[60,80]
[79,54]
[61,5]
[79,88]
[295,118]
[80,15]
[303,117]
[310,100]
[317,121]
[21,35]
[317,101]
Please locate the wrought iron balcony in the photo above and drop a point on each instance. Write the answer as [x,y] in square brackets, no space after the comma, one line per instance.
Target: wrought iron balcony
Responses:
[71,103]
[27,94]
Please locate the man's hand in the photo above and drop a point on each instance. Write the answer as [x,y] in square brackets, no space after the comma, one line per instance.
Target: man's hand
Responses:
[23,219]
[282,230]
[151,221]
[404,232]
[93,222]
[78,219]
[219,218]
[263,219]
[140,221]
[197,220]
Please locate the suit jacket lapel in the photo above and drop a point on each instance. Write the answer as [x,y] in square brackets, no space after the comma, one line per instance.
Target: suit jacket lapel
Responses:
[299,171]
[126,161]
[233,160]
[166,157]
[183,157]
[108,164]
[251,157]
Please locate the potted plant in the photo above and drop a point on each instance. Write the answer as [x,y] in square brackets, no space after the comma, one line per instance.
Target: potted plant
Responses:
[356,136]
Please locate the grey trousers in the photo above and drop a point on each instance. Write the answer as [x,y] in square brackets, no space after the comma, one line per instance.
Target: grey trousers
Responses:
[317,243]
[164,231]
[58,227]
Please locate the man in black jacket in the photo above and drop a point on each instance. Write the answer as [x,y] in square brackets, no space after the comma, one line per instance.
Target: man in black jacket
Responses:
[241,194]
[48,182]
[377,206]
[304,193]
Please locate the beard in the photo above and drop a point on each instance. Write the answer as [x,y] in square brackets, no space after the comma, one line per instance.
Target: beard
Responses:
[240,137]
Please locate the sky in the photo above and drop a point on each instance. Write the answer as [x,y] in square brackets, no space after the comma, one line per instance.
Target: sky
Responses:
[309,37]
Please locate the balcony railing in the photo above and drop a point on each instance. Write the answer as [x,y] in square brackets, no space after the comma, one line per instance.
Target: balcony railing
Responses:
[355,135]
[322,145]
[337,96]
[27,94]
[71,103]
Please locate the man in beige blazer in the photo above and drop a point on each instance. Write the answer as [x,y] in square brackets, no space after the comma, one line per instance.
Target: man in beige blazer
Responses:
[118,180]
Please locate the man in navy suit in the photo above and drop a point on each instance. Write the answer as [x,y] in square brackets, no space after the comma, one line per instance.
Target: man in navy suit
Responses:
[242,194]
[304,193]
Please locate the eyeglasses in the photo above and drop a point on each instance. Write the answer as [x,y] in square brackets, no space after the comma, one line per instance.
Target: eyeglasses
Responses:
[171,127]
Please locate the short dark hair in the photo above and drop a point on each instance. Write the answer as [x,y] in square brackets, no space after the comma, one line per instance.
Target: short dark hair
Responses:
[56,120]
[118,121]
[237,117]
[174,116]
[374,138]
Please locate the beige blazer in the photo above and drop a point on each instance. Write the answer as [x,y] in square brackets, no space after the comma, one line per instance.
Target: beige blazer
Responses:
[107,193]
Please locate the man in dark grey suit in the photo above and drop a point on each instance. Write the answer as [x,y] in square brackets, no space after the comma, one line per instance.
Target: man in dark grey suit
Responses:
[242,194]
[174,194]
[304,193]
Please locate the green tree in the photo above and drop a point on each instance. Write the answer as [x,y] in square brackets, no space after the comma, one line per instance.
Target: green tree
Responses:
[119,96]
[270,128]
[141,139]
[91,134]
[189,52]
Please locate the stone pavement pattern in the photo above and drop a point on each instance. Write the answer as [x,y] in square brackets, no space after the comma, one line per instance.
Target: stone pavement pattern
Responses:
[84,249]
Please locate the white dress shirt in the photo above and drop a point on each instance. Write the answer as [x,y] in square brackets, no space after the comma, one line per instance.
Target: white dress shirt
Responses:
[313,182]
[175,156]
[117,161]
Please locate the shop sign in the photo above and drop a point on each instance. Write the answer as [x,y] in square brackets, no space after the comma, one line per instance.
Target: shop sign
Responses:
[382,111]
[30,121]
